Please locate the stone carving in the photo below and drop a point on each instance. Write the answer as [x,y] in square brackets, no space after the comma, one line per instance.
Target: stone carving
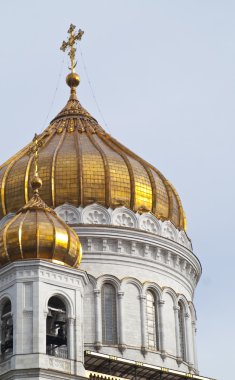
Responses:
[69,214]
[182,239]
[149,223]
[123,217]
[95,214]
[59,364]
[96,217]
[169,231]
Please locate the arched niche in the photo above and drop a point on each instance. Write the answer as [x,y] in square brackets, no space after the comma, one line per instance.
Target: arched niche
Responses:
[57,328]
[6,331]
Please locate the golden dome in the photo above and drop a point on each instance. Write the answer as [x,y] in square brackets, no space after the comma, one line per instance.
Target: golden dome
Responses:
[81,164]
[36,232]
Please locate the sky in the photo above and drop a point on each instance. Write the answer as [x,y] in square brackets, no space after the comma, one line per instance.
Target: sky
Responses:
[163,75]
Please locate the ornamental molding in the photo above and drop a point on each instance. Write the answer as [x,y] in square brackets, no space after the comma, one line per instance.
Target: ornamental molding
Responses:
[69,214]
[124,217]
[95,214]
[183,268]
[120,217]
[22,271]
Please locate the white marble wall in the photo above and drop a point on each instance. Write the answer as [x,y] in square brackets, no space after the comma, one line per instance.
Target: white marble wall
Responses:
[131,323]
[29,285]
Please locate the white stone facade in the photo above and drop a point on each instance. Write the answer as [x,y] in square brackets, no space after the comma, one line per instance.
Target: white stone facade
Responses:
[28,285]
[135,254]
[135,261]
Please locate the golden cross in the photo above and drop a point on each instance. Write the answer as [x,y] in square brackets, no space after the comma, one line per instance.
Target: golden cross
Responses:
[35,152]
[70,44]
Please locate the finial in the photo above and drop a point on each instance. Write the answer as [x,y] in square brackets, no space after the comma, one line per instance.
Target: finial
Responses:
[36,181]
[72,79]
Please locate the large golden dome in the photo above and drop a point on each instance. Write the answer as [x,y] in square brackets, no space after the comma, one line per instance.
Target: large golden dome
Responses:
[36,232]
[81,164]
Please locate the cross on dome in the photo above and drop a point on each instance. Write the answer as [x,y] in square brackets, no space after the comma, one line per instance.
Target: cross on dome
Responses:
[36,181]
[70,45]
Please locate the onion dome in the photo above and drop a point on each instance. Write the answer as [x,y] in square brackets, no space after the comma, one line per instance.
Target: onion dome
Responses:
[81,164]
[36,232]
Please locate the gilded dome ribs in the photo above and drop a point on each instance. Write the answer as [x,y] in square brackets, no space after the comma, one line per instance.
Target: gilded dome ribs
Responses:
[106,169]
[168,190]
[26,181]
[182,218]
[129,168]
[144,165]
[81,164]
[20,234]
[3,195]
[153,185]
[5,235]
[53,191]
[64,225]
[53,250]
[79,167]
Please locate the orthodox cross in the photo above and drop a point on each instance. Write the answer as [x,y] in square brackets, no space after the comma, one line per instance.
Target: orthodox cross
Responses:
[70,44]
[35,152]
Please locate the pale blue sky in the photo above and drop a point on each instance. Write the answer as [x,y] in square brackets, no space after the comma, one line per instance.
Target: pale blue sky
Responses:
[163,72]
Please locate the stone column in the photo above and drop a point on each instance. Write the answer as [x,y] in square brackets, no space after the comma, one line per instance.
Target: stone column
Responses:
[188,344]
[17,316]
[143,323]
[39,318]
[194,330]
[121,340]
[71,343]
[98,320]
[177,334]
[161,329]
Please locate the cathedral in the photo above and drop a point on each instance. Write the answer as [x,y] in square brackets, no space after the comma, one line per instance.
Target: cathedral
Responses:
[97,272]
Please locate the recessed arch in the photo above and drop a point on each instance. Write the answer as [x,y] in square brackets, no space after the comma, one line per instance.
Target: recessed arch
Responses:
[153,287]
[57,327]
[65,298]
[106,278]
[133,281]
[7,327]
[172,293]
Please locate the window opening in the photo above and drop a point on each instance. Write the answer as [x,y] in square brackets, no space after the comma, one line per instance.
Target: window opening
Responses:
[109,314]
[56,328]
[181,331]
[6,331]
[151,321]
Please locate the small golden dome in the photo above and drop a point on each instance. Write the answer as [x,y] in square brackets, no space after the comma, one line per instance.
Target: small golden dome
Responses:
[36,232]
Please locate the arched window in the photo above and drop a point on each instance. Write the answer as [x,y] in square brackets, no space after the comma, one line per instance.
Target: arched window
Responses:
[56,328]
[6,330]
[181,320]
[152,321]
[109,314]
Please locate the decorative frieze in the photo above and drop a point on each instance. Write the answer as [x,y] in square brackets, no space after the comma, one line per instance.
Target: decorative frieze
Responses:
[121,217]
[123,246]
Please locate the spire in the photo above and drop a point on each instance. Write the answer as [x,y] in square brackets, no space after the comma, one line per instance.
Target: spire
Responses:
[72,78]
[36,181]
